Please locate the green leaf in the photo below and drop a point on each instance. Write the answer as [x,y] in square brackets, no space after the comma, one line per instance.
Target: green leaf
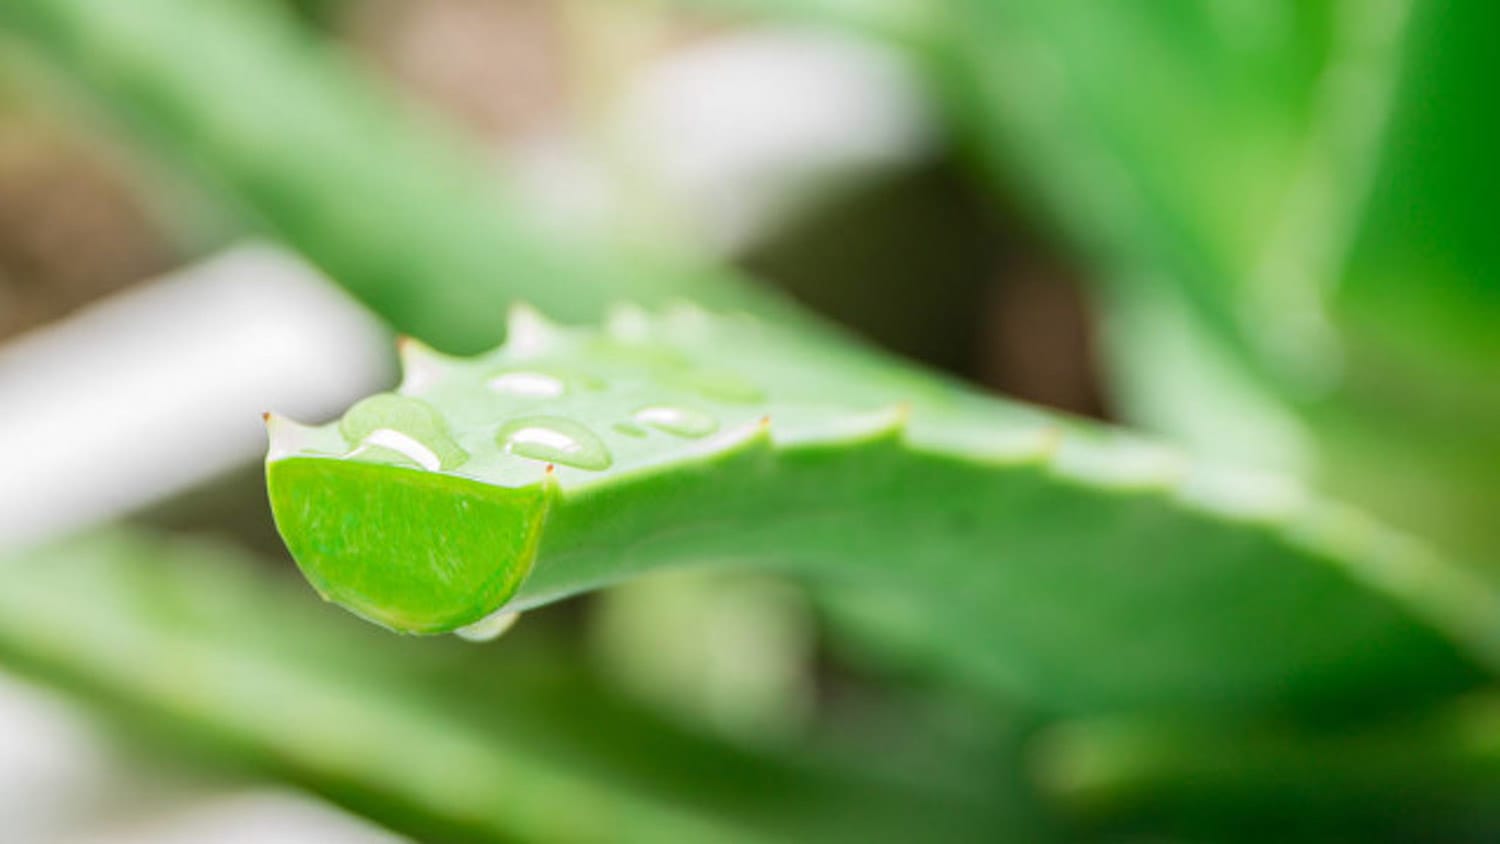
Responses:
[1167,138]
[1306,185]
[416,223]
[1027,553]
[1429,775]
[196,644]
[1418,294]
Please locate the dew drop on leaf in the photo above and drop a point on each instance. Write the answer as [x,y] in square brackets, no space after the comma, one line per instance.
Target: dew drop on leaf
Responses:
[389,428]
[552,439]
[488,628]
[534,385]
[677,421]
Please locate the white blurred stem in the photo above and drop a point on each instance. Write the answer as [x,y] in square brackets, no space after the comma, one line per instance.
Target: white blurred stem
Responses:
[161,388]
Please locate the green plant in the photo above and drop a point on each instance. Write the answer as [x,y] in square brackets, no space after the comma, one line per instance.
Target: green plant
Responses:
[186,642]
[1288,224]
[1014,548]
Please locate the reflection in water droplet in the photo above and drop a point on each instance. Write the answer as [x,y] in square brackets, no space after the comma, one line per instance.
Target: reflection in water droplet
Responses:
[534,385]
[552,439]
[677,420]
[388,428]
[401,444]
[488,628]
[717,384]
[630,429]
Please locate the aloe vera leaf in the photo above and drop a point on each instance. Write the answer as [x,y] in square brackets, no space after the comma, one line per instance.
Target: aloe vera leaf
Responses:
[1302,179]
[1305,176]
[1432,775]
[417,224]
[1025,552]
[192,642]
[1420,281]
[1169,138]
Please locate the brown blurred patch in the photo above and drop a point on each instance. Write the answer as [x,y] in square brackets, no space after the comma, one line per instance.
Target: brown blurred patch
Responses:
[495,66]
[902,260]
[71,230]
[1038,344]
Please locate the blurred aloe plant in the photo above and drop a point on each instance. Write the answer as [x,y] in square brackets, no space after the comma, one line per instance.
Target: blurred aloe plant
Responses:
[1284,204]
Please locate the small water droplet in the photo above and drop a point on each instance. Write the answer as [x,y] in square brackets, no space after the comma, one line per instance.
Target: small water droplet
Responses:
[388,428]
[716,384]
[552,439]
[678,421]
[630,429]
[489,628]
[534,385]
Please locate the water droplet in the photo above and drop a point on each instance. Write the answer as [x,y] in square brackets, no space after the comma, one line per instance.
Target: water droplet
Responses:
[678,421]
[489,628]
[534,385]
[386,439]
[388,428]
[716,384]
[630,429]
[552,439]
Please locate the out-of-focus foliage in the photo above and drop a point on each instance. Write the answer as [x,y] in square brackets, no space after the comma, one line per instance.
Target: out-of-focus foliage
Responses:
[1304,183]
[189,642]
[415,221]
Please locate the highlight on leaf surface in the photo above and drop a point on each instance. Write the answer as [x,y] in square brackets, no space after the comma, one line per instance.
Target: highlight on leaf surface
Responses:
[1022,552]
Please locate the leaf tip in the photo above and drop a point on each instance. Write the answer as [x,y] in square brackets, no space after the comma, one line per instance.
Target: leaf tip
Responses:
[284,436]
[527,329]
[421,365]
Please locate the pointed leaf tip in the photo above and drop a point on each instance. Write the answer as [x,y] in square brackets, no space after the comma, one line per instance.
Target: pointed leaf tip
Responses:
[527,329]
[284,436]
[421,365]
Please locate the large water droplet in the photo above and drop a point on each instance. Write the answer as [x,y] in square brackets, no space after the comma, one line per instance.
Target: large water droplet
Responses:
[679,421]
[388,428]
[488,628]
[552,439]
[536,385]
[383,442]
